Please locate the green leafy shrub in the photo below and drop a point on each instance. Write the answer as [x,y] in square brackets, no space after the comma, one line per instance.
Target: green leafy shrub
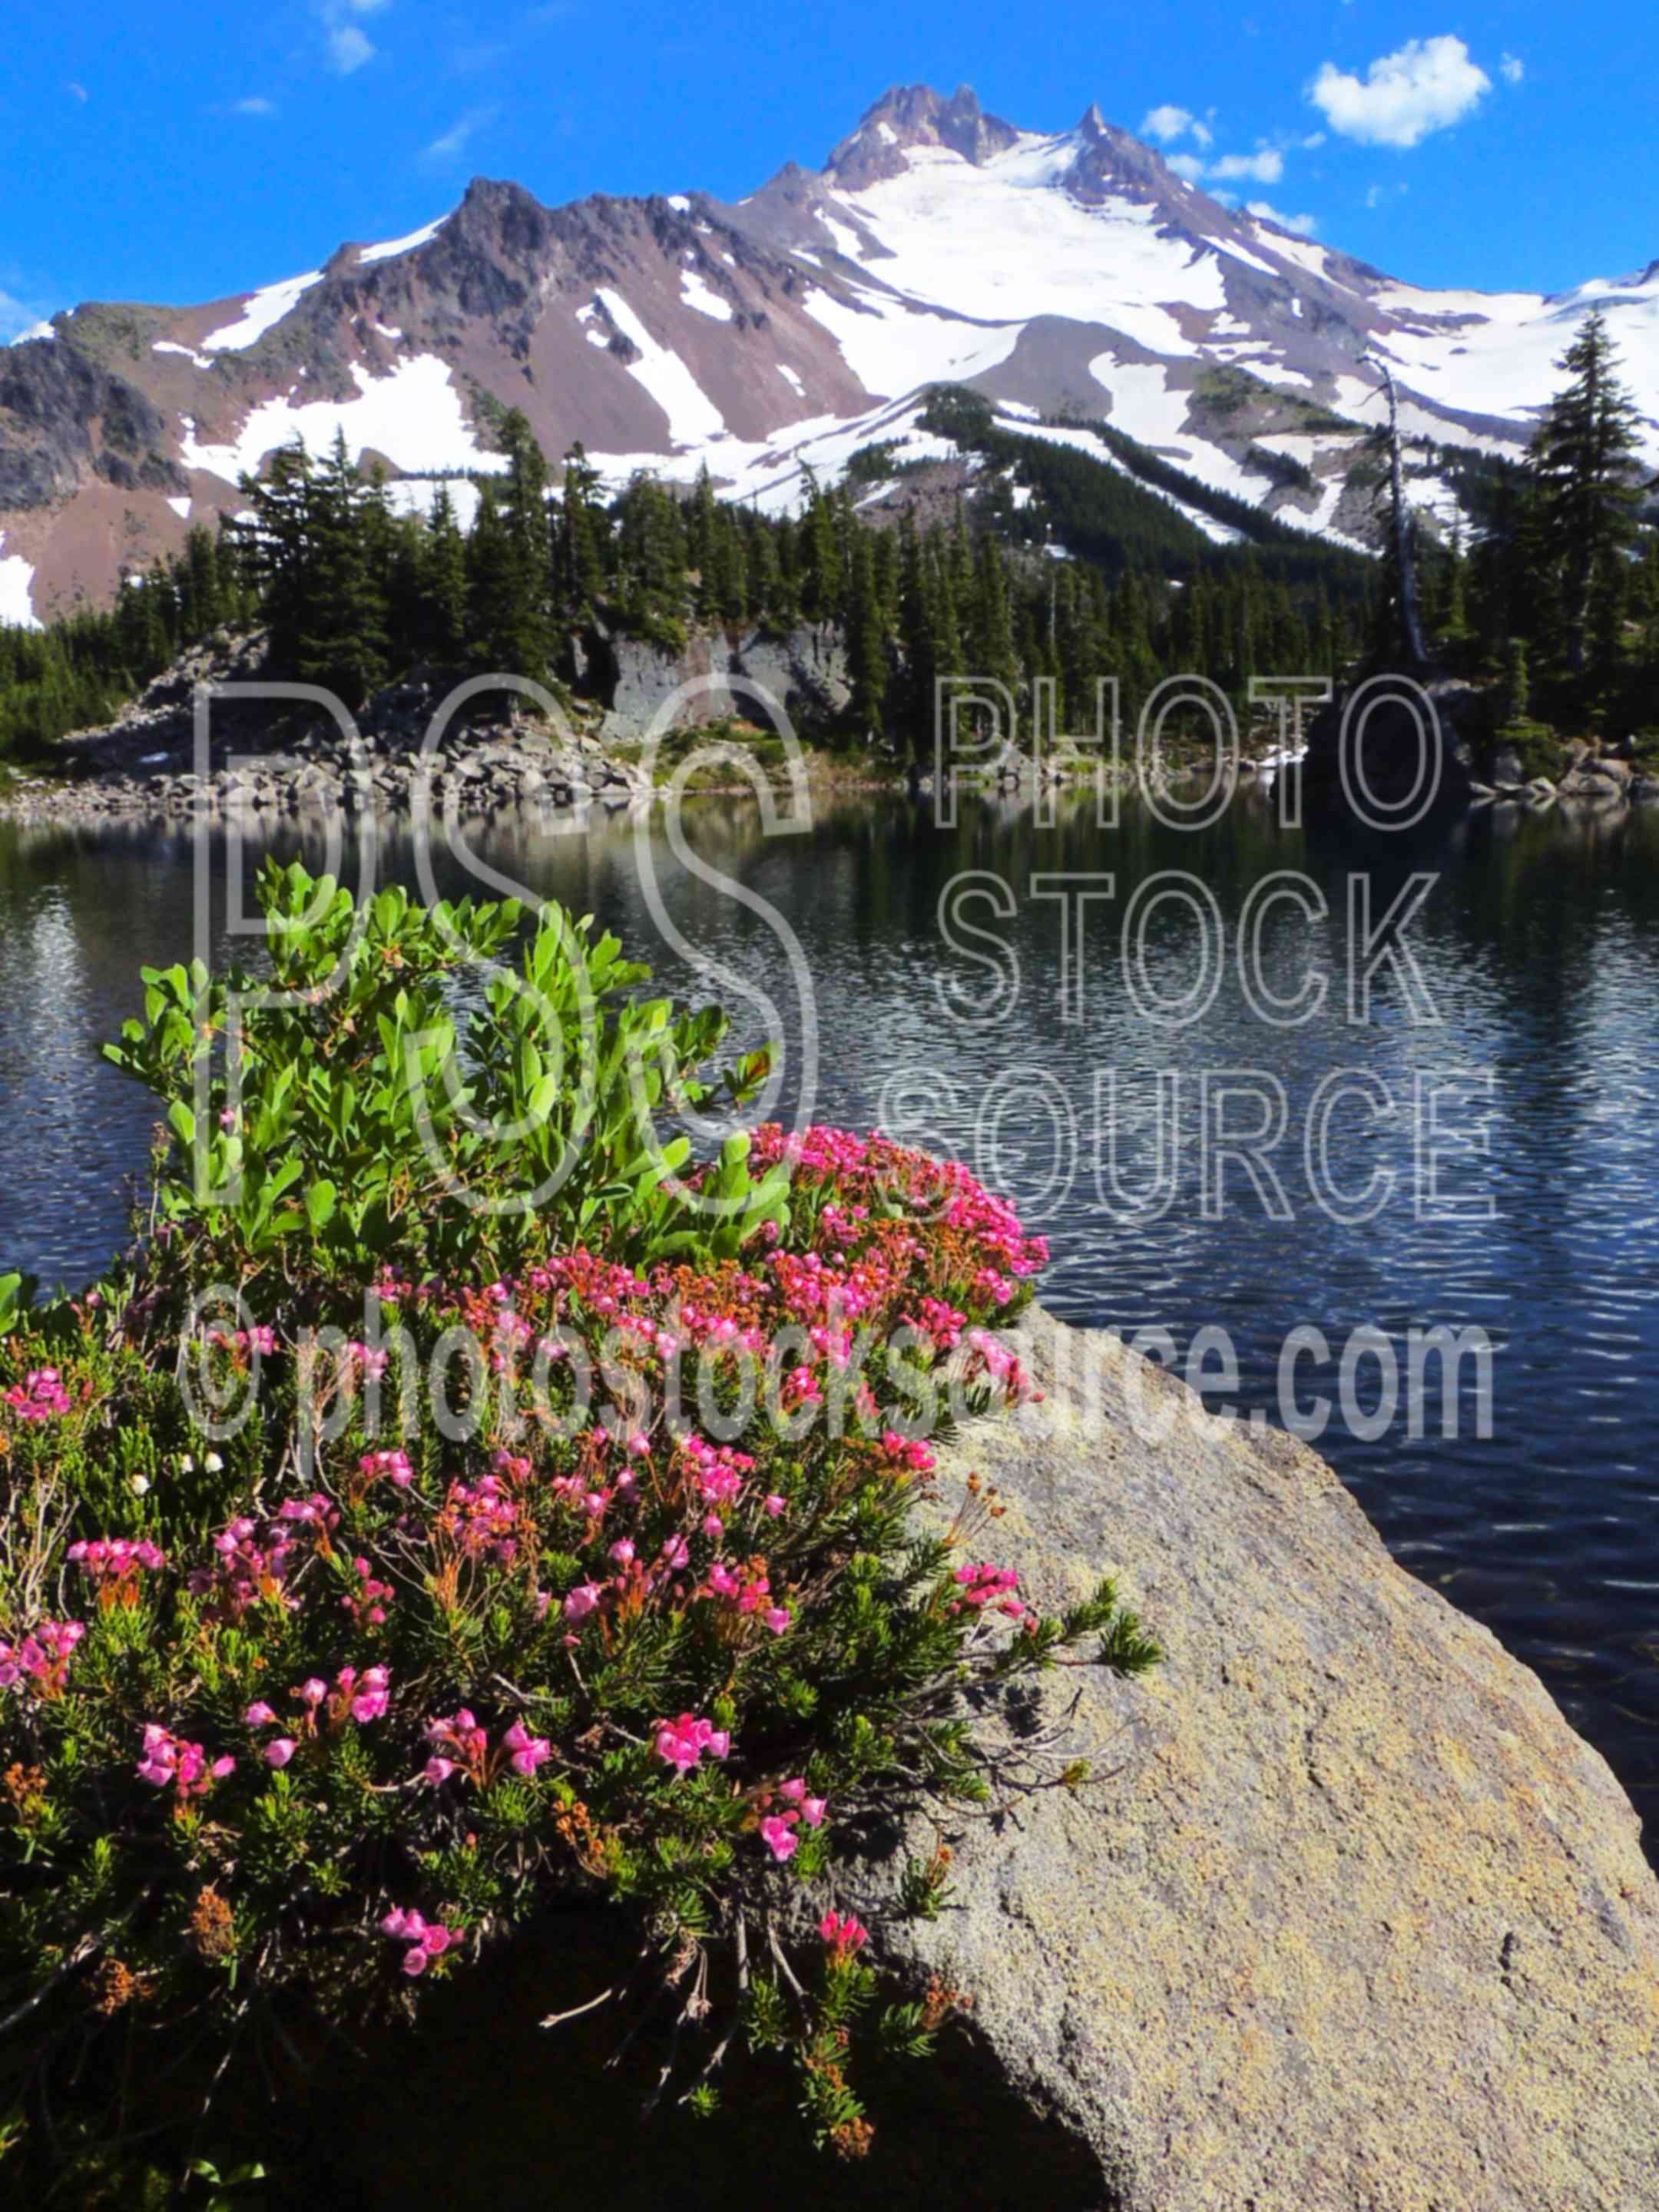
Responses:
[1539,749]
[466,1501]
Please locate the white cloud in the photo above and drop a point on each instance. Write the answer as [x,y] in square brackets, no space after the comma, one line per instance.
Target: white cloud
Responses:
[1511,69]
[1304,225]
[1424,86]
[1169,122]
[453,142]
[1312,142]
[1187,166]
[349,46]
[1377,193]
[257,106]
[1266,167]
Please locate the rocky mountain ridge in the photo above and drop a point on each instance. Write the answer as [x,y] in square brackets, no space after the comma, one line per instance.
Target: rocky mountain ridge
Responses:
[1064,275]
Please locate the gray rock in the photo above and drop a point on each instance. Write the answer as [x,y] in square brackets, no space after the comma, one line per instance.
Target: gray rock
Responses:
[1354,1922]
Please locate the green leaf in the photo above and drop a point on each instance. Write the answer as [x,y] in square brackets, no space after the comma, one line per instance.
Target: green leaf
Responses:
[320,1199]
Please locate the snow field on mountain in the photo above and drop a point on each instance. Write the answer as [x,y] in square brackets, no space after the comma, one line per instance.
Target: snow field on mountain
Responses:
[394,246]
[692,415]
[985,243]
[697,292]
[414,416]
[418,496]
[893,348]
[261,312]
[16,583]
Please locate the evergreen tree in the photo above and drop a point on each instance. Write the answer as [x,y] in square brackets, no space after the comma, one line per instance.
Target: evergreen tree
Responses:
[1583,456]
[443,583]
[520,625]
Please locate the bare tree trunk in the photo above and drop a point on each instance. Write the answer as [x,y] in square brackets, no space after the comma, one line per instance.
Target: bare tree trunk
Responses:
[1410,622]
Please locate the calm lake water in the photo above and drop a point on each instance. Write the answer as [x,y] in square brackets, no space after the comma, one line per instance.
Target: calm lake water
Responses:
[1538,947]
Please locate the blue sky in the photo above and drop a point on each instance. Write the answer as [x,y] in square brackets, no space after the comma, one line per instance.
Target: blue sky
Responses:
[169,154]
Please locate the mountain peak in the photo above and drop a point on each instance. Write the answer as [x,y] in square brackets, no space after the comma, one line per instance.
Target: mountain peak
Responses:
[1094,123]
[914,115]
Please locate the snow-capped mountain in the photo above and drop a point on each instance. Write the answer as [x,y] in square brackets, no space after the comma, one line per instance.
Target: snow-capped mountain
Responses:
[1073,275]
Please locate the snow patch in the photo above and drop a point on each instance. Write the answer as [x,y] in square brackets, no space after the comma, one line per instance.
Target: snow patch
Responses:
[418,496]
[414,416]
[394,246]
[189,353]
[16,583]
[181,508]
[697,292]
[892,346]
[692,415]
[679,203]
[261,312]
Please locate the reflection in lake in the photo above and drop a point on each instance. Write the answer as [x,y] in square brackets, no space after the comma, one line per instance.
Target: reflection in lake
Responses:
[1536,948]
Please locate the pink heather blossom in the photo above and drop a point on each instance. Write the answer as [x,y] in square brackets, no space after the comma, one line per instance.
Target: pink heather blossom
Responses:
[844,1936]
[683,1742]
[622,1552]
[529,1752]
[776,1505]
[812,1810]
[168,1760]
[437,1770]
[259,1715]
[777,1618]
[116,1560]
[312,1692]
[368,1695]
[41,1396]
[779,1836]
[393,1465]
[427,1940]
[794,1791]
[582,1600]
[280,1751]
[43,1658]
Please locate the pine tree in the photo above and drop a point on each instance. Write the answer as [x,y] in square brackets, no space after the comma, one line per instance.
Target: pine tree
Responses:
[867,639]
[522,625]
[343,638]
[583,576]
[279,548]
[488,573]
[1583,456]
[443,584]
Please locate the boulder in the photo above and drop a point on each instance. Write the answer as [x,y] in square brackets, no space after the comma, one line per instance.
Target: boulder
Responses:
[1354,1921]
[1351,1921]
[1389,747]
[1506,766]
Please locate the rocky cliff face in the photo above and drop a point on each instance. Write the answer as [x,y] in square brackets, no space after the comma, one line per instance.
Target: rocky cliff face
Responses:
[1072,271]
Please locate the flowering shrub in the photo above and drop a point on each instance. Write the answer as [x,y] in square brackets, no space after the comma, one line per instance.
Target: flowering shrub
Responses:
[558,1550]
